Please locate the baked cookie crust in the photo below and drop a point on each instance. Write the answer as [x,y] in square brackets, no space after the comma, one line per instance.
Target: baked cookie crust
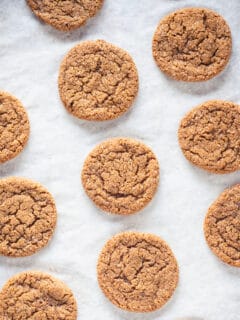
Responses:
[97,81]
[121,175]
[14,127]
[27,217]
[222,226]
[65,15]
[37,295]
[137,271]
[209,136]
[192,44]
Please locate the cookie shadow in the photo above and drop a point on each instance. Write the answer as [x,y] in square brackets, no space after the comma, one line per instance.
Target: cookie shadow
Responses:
[235,271]
[11,167]
[225,180]
[85,31]
[128,222]
[28,262]
[137,221]
[18,263]
[201,88]
[94,127]
[109,128]
[126,315]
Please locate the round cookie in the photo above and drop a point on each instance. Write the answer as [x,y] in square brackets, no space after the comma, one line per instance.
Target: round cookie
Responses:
[27,217]
[65,15]
[97,81]
[137,271]
[14,127]
[121,175]
[222,226]
[209,136]
[192,44]
[36,295]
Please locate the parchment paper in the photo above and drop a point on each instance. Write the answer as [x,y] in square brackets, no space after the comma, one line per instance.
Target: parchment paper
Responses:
[30,54]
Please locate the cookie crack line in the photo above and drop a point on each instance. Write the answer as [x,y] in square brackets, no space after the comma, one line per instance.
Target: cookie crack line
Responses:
[138,182]
[209,136]
[65,15]
[27,217]
[97,81]
[192,44]
[14,127]
[137,271]
[121,175]
[222,226]
[37,294]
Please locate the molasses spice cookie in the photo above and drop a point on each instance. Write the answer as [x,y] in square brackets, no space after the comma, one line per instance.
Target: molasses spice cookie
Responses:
[97,81]
[209,136]
[65,15]
[27,217]
[121,175]
[14,127]
[137,271]
[36,296]
[192,44]
[222,226]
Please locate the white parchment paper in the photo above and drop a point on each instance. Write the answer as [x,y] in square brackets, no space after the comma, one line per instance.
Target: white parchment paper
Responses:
[30,54]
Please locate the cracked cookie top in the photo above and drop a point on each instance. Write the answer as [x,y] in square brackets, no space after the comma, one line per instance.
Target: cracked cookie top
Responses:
[35,295]
[65,15]
[192,44]
[14,127]
[27,217]
[121,175]
[222,226]
[97,81]
[137,271]
[209,136]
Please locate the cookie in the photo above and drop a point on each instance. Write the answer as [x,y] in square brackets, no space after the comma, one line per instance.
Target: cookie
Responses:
[65,15]
[192,44]
[97,81]
[222,226]
[37,296]
[121,175]
[14,127]
[209,136]
[137,271]
[27,217]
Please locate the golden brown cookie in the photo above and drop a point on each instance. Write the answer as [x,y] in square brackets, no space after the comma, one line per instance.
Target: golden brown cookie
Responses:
[222,226]
[27,217]
[97,81]
[137,271]
[14,127]
[65,15]
[121,175]
[209,136]
[35,295]
[192,44]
